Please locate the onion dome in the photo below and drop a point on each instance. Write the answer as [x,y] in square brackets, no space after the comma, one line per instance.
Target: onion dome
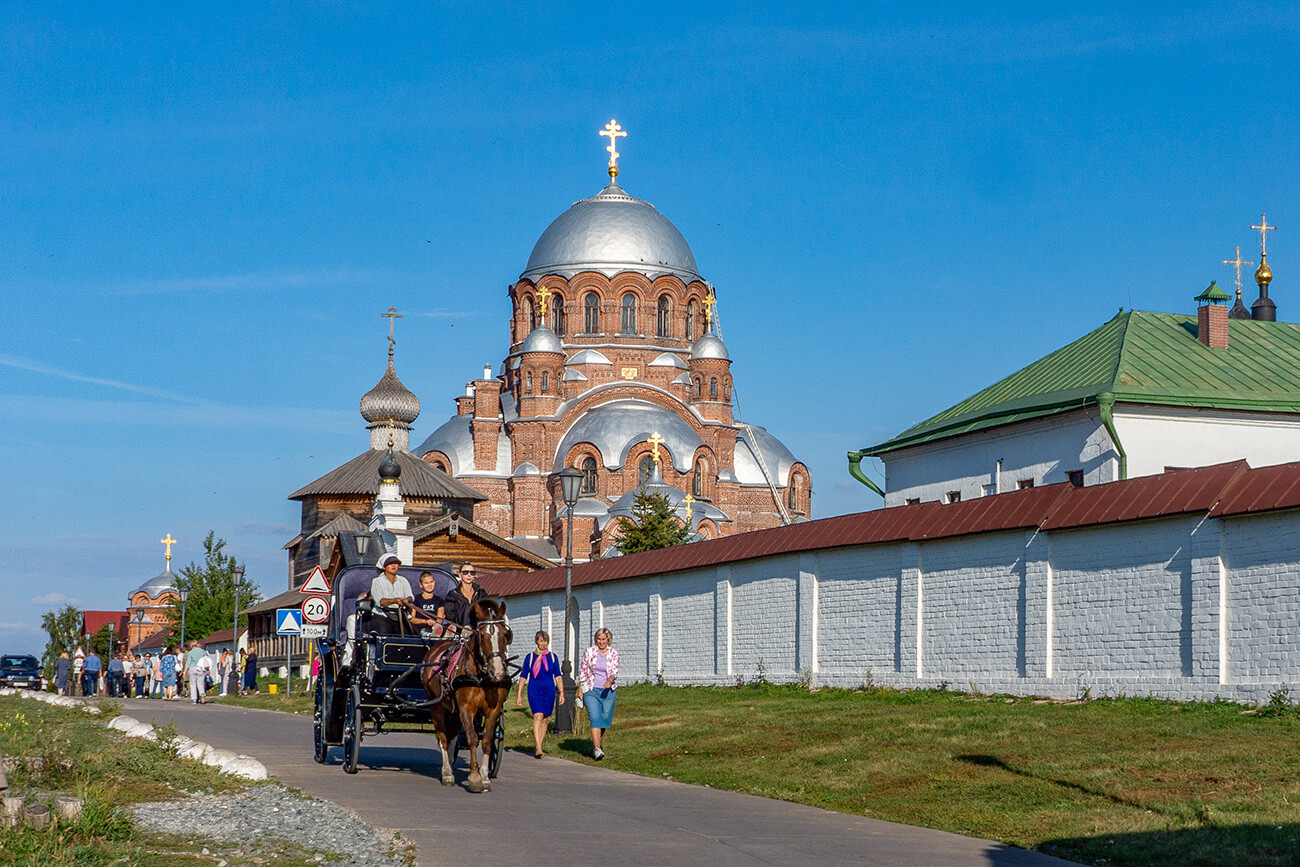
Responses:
[612,232]
[709,346]
[1263,274]
[542,339]
[389,400]
[390,470]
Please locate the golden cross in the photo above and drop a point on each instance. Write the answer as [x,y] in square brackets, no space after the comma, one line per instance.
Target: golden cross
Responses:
[710,303]
[544,301]
[1263,239]
[169,541]
[688,499]
[1238,262]
[655,442]
[391,315]
[614,132]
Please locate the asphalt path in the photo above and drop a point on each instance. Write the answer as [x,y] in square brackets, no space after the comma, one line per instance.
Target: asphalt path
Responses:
[553,807]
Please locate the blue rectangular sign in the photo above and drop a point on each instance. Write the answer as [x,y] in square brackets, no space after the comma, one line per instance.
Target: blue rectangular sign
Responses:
[288,621]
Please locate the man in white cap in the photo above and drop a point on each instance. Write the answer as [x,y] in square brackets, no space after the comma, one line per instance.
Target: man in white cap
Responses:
[391,592]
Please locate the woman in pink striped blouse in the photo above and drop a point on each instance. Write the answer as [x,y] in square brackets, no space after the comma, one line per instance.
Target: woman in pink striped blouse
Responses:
[597,673]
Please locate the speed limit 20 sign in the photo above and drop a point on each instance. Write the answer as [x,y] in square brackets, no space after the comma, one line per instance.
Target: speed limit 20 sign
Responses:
[316,609]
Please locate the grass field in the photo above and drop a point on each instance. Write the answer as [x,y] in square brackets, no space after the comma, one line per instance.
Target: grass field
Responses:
[1124,781]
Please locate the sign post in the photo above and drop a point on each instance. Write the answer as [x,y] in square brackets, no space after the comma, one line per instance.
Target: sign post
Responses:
[288,621]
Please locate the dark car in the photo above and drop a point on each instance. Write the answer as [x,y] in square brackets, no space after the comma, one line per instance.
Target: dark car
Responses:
[20,670]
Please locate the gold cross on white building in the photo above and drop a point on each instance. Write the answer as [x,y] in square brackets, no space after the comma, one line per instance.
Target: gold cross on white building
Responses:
[655,442]
[614,132]
[169,541]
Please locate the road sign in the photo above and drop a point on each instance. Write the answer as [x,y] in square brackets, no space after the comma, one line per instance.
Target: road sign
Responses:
[316,583]
[288,621]
[314,630]
[316,609]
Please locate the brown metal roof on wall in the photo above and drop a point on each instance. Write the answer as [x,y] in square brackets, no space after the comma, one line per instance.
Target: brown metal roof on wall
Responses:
[1172,493]
[1262,490]
[1234,487]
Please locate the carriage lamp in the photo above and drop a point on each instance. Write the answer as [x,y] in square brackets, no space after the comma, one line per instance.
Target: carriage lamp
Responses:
[570,487]
[362,541]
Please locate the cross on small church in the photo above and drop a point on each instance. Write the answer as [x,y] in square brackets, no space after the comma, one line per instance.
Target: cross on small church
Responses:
[1238,262]
[688,499]
[544,301]
[655,442]
[169,541]
[391,315]
[1263,238]
[613,131]
[710,305]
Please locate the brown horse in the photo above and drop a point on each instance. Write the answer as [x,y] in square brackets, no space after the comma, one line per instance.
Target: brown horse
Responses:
[478,683]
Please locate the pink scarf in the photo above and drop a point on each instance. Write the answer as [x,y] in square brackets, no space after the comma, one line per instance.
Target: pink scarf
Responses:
[538,659]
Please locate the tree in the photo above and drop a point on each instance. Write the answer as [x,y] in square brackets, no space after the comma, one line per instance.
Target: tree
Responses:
[652,525]
[64,629]
[212,593]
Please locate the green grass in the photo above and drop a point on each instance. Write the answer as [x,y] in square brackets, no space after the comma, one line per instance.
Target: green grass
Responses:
[109,772]
[1122,781]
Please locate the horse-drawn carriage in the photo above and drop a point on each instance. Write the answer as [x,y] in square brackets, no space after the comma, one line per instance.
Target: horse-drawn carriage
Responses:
[452,685]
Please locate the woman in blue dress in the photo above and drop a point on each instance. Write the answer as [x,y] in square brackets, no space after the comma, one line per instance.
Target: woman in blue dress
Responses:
[167,665]
[541,669]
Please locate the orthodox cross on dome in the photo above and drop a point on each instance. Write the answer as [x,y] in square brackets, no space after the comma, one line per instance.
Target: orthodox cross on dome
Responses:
[655,442]
[1238,262]
[544,301]
[169,541]
[391,315]
[613,131]
[1263,238]
[710,310]
[688,499]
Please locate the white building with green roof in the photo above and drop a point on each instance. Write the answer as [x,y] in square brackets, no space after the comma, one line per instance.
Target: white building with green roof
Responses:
[1136,396]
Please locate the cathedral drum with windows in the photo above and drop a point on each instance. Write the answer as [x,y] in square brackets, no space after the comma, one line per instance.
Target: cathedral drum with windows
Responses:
[615,368]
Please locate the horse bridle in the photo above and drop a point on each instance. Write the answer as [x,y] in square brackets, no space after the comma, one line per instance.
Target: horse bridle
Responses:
[485,660]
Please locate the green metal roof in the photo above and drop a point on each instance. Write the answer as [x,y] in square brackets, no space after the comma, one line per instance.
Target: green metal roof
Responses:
[1213,293]
[1136,357]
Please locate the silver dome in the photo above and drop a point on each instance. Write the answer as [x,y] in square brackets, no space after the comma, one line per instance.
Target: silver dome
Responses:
[700,509]
[776,456]
[615,427]
[612,232]
[542,339]
[588,356]
[455,439]
[389,400]
[710,346]
[164,582]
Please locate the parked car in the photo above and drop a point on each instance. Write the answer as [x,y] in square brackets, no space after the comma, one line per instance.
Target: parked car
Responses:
[20,670]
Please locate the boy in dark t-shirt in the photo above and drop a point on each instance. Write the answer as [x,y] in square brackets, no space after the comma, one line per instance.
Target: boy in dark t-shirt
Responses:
[425,604]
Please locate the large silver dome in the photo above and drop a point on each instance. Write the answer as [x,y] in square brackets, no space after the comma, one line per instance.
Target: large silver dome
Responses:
[609,233]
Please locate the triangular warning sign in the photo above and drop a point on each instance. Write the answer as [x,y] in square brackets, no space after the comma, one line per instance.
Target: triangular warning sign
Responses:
[316,583]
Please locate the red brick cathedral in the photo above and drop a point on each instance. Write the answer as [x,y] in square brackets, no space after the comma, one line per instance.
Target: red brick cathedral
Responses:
[615,368]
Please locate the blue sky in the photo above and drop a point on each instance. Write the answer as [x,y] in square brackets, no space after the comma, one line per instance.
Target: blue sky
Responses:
[205,211]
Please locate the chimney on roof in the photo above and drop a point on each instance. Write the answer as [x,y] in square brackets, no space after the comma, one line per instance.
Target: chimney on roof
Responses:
[1212,317]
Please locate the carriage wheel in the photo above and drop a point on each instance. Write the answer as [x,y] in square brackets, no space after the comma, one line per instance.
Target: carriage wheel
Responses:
[498,749]
[352,730]
[318,723]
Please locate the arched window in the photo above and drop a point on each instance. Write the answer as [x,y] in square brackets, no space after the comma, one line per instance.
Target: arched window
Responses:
[629,314]
[697,386]
[794,493]
[530,313]
[591,313]
[690,320]
[546,382]
[713,388]
[528,383]
[663,324]
[588,475]
[645,469]
[697,484]
[557,315]
[726,389]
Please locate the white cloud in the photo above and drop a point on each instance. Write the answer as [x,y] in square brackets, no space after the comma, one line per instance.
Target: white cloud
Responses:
[39,367]
[19,627]
[53,599]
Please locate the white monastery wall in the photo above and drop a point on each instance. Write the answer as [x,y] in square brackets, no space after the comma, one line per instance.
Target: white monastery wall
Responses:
[1155,437]
[1185,607]
[997,460]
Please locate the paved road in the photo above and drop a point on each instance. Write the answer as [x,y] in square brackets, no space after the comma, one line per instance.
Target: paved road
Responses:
[645,821]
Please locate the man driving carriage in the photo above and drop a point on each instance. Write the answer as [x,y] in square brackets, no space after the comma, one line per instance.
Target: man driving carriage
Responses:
[391,592]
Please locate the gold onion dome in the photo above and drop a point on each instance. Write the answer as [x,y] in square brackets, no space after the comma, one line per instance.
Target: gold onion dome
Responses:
[389,400]
[1263,275]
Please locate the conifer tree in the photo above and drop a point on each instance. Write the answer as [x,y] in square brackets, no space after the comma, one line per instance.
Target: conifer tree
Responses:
[652,525]
[212,594]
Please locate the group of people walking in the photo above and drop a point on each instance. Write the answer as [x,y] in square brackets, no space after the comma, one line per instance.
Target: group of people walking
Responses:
[597,687]
[162,676]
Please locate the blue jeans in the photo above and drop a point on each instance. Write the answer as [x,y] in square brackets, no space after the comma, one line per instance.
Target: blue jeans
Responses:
[600,706]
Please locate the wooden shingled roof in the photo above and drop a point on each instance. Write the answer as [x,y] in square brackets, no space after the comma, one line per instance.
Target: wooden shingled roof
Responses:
[1224,489]
[361,476]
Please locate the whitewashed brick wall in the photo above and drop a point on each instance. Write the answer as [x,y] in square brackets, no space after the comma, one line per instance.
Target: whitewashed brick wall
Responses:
[1184,607]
